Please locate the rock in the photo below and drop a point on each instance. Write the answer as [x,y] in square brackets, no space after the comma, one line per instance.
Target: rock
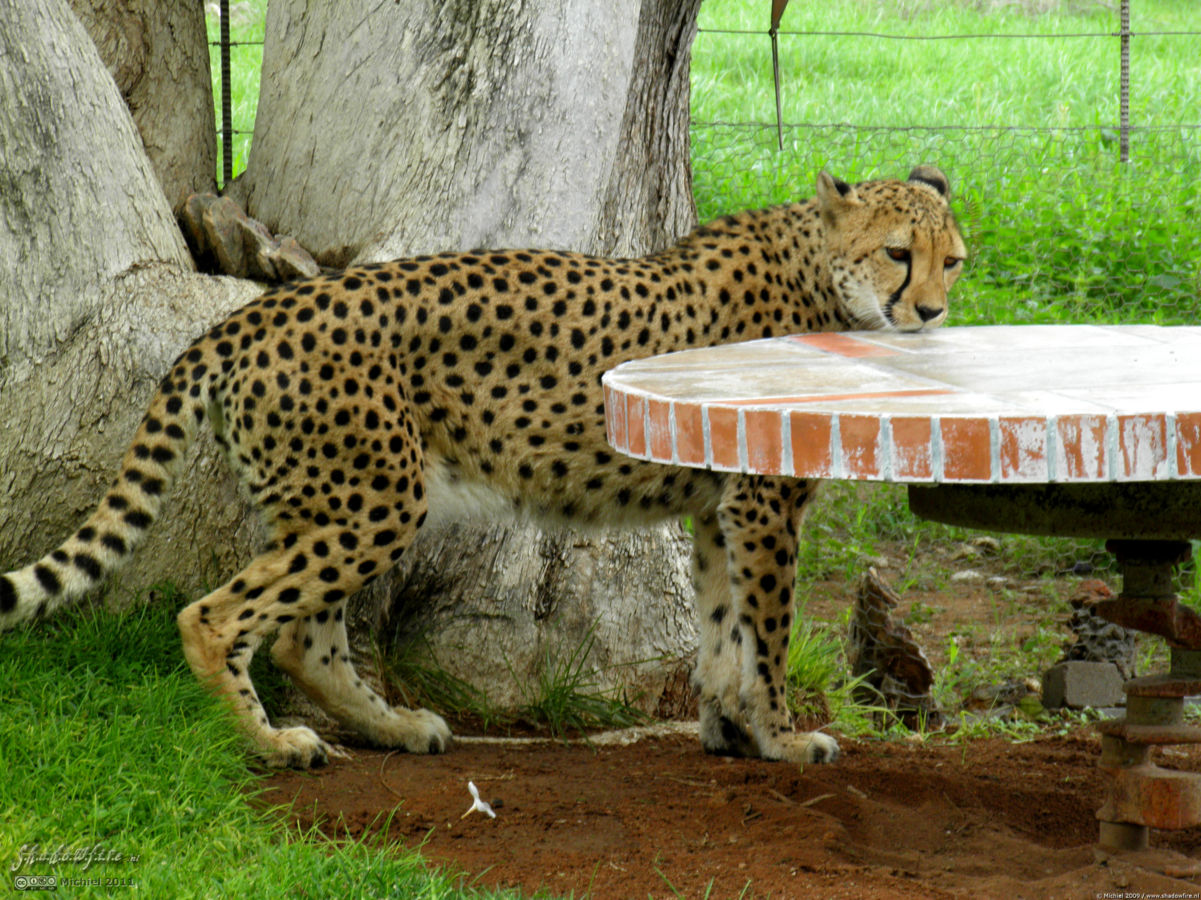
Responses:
[292,261]
[224,239]
[968,576]
[1004,700]
[883,650]
[1096,639]
[1077,684]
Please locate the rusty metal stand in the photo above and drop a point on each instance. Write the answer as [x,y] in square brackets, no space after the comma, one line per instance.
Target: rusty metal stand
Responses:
[1141,795]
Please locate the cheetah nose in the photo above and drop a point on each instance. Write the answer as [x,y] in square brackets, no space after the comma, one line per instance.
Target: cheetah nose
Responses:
[926,313]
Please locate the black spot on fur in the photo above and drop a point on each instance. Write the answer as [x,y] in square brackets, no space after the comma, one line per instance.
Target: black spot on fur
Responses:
[115,543]
[46,578]
[88,564]
[137,519]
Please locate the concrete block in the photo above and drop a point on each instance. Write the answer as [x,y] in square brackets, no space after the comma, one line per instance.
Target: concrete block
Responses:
[1078,683]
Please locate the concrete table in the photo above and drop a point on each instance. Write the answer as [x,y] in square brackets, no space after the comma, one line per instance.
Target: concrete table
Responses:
[1091,431]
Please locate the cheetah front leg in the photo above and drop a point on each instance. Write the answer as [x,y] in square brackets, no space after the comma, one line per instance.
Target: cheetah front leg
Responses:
[315,652]
[724,727]
[760,519]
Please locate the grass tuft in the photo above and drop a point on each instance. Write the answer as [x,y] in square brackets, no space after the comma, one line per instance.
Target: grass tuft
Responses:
[567,697]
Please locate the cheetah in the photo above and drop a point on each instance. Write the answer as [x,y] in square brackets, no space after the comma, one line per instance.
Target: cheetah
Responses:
[356,407]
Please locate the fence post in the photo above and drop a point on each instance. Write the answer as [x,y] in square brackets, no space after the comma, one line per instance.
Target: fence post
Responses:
[1124,87]
[777,10]
[227,119]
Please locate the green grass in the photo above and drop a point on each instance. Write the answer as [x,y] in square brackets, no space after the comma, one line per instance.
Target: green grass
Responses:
[108,740]
[851,522]
[416,675]
[1059,230]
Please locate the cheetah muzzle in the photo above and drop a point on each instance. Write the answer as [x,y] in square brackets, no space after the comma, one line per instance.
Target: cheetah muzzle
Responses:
[351,405]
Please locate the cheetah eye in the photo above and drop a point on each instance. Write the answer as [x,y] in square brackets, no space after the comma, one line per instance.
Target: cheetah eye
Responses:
[951,262]
[897,254]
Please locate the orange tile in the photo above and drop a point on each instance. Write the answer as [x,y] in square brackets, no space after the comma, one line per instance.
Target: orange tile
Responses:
[1142,446]
[859,438]
[1082,444]
[810,439]
[723,436]
[1023,448]
[659,430]
[690,434]
[1188,444]
[636,425]
[764,441]
[843,345]
[615,418]
[911,449]
[966,449]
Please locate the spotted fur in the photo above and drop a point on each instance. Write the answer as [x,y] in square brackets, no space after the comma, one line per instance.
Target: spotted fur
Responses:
[353,405]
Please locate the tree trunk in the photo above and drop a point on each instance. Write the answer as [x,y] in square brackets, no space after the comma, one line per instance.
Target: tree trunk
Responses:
[442,125]
[97,296]
[158,55]
[491,123]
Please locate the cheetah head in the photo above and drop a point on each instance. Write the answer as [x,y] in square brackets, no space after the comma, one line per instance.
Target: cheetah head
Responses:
[893,248]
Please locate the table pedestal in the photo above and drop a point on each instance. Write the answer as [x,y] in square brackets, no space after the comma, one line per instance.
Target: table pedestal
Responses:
[1140,795]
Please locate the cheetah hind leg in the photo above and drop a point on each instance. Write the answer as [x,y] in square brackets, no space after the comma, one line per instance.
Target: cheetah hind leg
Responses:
[219,653]
[314,651]
[222,630]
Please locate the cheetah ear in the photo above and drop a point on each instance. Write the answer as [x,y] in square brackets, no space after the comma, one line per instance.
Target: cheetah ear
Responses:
[934,177]
[835,196]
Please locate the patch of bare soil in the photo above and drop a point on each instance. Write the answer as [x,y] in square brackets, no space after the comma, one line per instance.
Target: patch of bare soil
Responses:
[660,818]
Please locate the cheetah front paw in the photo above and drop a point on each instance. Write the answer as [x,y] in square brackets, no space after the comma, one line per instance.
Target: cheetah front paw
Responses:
[429,733]
[296,748]
[723,736]
[803,747]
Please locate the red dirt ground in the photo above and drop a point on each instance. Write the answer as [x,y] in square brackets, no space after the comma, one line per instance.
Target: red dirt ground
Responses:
[660,818]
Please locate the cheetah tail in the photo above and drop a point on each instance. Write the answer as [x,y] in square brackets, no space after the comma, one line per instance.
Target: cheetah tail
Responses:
[120,522]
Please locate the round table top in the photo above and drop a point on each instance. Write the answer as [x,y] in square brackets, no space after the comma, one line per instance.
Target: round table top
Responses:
[985,405]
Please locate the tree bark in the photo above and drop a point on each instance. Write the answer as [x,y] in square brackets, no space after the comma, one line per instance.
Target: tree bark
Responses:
[158,55]
[97,296]
[442,125]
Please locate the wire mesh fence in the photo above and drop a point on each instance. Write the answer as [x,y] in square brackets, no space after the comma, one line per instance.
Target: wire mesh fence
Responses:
[1056,228]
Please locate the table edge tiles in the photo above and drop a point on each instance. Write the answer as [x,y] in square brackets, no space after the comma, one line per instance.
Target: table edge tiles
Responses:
[784,435]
